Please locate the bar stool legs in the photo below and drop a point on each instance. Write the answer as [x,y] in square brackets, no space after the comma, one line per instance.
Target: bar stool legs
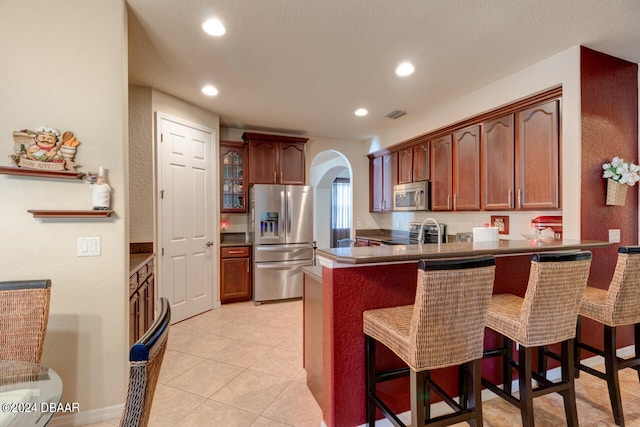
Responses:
[612,365]
[469,409]
[565,387]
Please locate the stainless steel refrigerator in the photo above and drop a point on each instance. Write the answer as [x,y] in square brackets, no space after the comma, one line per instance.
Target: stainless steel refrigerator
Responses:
[281,230]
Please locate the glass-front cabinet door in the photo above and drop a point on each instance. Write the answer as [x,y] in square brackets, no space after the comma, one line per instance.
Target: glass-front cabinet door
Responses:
[233,191]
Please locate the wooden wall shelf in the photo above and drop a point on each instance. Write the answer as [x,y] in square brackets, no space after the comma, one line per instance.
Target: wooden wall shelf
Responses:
[10,170]
[69,214]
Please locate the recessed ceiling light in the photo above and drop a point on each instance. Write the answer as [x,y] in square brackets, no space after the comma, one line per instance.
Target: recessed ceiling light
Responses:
[360,112]
[210,90]
[214,27]
[405,69]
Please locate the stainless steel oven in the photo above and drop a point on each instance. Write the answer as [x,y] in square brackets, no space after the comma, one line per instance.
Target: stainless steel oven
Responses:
[430,233]
[411,197]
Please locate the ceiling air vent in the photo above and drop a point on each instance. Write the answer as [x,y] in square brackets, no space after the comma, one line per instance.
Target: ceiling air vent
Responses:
[396,114]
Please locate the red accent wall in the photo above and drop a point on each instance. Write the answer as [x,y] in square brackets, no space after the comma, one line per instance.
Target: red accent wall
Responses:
[609,103]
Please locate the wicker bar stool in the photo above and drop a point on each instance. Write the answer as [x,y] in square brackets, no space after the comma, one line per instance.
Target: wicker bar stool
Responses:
[617,306]
[443,328]
[546,315]
[145,361]
[24,315]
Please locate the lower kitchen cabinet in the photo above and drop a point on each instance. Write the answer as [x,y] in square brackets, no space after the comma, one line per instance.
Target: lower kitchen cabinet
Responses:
[235,274]
[141,300]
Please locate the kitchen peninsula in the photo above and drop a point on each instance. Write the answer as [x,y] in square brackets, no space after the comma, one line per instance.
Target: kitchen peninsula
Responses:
[356,279]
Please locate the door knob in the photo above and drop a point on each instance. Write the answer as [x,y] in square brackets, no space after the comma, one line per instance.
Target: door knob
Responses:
[208,244]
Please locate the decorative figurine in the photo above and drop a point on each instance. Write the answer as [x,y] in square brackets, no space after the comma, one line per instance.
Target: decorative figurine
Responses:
[44,149]
[101,192]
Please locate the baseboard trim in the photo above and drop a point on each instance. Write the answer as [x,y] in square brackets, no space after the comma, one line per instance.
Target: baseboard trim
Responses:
[91,416]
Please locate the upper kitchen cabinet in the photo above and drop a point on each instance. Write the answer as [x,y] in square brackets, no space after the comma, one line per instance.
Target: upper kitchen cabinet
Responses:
[405,165]
[498,173]
[383,175]
[466,169]
[421,161]
[276,159]
[233,193]
[537,157]
[441,173]
[413,163]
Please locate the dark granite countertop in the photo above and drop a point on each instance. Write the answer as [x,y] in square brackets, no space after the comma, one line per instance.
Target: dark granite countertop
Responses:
[233,239]
[399,253]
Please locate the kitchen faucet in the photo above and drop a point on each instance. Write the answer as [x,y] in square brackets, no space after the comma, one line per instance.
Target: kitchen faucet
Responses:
[421,234]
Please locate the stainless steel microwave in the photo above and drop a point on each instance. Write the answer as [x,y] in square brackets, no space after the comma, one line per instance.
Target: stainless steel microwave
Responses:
[411,197]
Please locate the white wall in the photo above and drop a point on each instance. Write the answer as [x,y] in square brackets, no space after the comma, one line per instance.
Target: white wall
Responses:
[561,69]
[65,65]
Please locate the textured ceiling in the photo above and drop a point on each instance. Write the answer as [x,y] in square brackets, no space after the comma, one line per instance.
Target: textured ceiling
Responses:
[303,66]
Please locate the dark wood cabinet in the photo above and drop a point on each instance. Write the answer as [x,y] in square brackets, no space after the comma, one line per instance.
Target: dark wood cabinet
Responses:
[263,162]
[292,163]
[383,175]
[405,165]
[413,163]
[275,159]
[235,274]
[505,159]
[233,191]
[141,300]
[362,242]
[466,169]
[420,157]
[498,168]
[537,157]
[441,173]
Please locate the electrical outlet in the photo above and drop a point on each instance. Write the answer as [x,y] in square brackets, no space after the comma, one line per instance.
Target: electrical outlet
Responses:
[88,246]
[614,236]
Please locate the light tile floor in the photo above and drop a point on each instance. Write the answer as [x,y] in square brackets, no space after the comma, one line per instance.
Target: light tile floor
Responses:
[241,366]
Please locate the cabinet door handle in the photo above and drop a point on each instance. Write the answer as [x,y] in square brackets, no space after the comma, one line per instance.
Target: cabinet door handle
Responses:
[274,177]
[235,252]
[519,197]
[448,201]
[280,177]
[509,198]
[455,201]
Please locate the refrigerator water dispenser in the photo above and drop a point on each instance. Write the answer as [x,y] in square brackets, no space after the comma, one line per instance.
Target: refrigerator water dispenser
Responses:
[269,224]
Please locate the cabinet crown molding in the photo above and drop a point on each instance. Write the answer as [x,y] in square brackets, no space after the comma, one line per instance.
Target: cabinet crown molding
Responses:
[272,137]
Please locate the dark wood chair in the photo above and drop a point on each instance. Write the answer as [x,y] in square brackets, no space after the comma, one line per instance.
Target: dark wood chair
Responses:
[546,315]
[616,306]
[145,359]
[24,315]
[444,327]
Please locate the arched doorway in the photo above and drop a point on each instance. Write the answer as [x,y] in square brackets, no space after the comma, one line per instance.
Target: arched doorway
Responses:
[332,180]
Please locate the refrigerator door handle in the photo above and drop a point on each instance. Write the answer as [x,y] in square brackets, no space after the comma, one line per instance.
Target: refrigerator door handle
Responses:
[289,206]
[282,220]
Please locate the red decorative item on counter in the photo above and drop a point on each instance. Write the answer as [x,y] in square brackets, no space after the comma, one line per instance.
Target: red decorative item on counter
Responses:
[552,222]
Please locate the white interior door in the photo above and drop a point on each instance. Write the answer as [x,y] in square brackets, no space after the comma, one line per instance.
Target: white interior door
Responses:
[186,217]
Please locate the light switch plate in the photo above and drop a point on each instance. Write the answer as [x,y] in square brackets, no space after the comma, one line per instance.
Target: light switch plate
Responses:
[614,236]
[88,246]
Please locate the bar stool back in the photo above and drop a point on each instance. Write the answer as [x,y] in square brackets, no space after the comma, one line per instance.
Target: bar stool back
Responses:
[546,315]
[617,306]
[443,328]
